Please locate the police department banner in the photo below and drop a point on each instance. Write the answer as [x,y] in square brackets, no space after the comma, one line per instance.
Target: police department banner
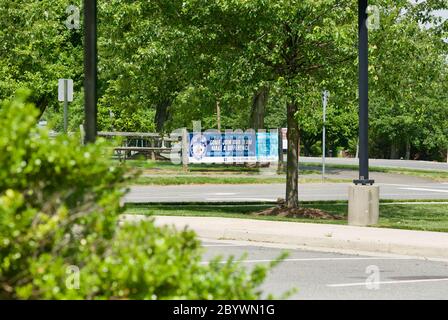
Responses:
[228,147]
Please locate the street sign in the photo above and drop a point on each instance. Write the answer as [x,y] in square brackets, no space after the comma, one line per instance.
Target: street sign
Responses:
[65,85]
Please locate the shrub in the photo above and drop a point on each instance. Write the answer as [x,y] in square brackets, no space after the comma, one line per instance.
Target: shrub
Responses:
[59,223]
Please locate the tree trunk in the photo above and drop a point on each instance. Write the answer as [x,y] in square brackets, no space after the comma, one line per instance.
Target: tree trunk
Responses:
[292,167]
[408,150]
[258,111]
[218,114]
[394,150]
[161,114]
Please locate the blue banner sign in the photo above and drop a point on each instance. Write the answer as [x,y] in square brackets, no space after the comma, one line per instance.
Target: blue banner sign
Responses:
[233,147]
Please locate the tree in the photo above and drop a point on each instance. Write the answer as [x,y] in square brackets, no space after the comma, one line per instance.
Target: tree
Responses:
[37,49]
[408,72]
[290,43]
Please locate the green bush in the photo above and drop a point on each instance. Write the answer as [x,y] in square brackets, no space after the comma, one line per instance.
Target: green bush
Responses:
[60,227]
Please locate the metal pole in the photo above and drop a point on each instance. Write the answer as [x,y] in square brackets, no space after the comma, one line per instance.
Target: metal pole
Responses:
[363,95]
[185,149]
[65,106]
[90,69]
[324,104]
[280,151]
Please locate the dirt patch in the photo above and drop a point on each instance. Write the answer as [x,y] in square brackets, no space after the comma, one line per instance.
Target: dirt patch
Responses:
[282,211]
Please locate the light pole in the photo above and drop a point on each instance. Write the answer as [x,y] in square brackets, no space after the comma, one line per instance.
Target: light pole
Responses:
[363,48]
[363,203]
[90,70]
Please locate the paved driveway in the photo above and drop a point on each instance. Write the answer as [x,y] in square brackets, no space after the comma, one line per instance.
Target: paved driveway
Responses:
[321,275]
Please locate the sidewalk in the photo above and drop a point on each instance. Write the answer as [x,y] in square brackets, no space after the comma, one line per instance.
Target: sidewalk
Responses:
[334,237]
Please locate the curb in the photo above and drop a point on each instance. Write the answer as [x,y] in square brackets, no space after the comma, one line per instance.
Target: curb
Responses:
[431,245]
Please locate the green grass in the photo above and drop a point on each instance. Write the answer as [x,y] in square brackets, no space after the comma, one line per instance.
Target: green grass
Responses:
[427,217]
[161,167]
[173,174]
[186,180]
[183,180]
[166,173]
[428,174]
[169,166]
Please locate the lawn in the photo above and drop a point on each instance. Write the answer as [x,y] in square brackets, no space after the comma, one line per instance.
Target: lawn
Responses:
[439,176]
[166,167]
[427,217]
[167,173]
[184,180]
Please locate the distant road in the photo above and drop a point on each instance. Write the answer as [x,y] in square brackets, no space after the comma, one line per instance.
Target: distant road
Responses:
[271,192]
[408,164]
[392,186]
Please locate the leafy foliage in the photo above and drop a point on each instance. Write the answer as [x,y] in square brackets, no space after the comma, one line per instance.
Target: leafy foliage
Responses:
[163,64]
[60,213]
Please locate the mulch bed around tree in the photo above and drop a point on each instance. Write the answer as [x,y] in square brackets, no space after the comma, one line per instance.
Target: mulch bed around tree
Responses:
[282,211]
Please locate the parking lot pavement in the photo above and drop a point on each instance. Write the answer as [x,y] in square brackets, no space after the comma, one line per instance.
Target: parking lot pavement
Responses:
[271,192]
[324,275]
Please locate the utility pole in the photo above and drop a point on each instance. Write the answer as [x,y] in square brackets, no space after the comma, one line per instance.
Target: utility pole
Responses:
[325,96]
[65,106]
[90,70]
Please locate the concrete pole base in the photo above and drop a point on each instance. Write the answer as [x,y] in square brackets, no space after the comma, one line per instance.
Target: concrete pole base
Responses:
[363,205]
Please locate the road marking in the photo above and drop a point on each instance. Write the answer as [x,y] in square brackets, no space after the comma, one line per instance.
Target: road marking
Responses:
[223,194]
[239,199]
[424,189]
[357,284]
[222,245]
[316,259]
[394,185]
[426,202]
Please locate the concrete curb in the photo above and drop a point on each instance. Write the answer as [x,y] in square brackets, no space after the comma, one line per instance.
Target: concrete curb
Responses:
[431,245]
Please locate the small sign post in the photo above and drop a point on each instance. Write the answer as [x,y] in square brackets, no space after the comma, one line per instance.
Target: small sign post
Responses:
[325,96]
[65,94]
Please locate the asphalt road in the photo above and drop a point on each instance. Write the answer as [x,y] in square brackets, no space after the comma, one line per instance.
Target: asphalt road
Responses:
[322,275]
[271,192]
[408,164]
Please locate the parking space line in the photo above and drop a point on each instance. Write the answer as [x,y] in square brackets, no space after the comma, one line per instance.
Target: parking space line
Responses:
[357,284]
[221,245]
[318,259]
[239,199]
[426,189]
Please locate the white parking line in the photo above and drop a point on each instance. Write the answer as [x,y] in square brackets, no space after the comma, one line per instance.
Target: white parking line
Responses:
[220,245]
[394,185]
[413,203]
[317,259]
[222,194]
[239,199]
[424,189]
[357,284]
